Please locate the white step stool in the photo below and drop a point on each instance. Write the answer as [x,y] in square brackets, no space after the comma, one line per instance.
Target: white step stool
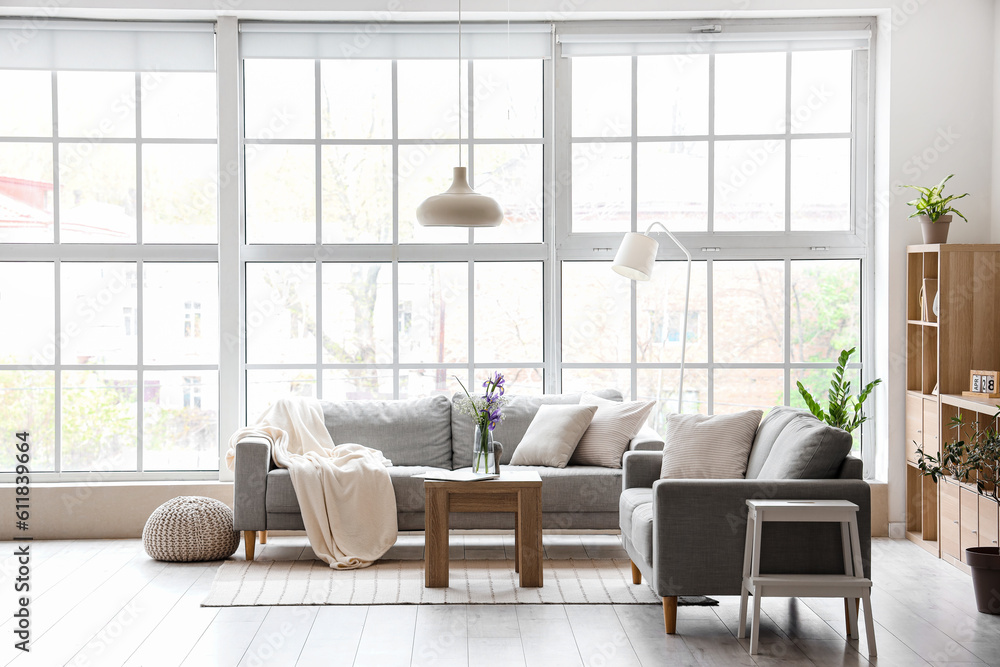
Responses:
[852,585]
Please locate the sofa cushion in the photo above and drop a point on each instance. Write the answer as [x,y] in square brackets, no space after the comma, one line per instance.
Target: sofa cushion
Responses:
[703,447]
[553,435]
[408,432]
[409,490]
[807,449]
[630,499]
[768,431]
[280,496]
[642,530]
[518,414]
[610,431]
[575,489]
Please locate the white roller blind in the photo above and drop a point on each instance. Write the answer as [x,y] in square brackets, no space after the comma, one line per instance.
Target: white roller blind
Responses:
[107,45]
[394,41]
[730,40]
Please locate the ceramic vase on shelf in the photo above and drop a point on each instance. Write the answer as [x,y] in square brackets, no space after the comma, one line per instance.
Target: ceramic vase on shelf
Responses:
[935,232]
[483,452]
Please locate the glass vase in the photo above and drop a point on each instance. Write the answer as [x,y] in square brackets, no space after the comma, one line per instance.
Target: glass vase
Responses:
[483,455]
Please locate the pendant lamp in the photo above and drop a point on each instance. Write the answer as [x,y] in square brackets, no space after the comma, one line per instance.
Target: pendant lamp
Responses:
[459,205]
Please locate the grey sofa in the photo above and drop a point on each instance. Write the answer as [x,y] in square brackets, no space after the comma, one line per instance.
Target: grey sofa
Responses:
[686,536]
[421,434]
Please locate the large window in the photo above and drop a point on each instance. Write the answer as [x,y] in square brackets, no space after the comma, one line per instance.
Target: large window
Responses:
[752,144]
[108,220]
[754,154]
[346,295]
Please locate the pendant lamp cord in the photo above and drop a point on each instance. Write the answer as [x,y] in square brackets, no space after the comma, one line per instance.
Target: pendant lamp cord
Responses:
[459,83]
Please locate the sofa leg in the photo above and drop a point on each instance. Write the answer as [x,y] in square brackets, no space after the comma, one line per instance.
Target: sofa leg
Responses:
[249,542]
[636,574]
[262,536]
[670,614]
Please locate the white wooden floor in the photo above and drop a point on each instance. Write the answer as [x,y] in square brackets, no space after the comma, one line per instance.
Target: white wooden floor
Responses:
[104,603]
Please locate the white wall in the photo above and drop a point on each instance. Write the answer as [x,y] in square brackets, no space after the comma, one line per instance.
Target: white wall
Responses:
[936,86]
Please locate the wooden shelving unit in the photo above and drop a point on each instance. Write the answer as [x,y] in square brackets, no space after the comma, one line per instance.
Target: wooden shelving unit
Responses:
[941,350]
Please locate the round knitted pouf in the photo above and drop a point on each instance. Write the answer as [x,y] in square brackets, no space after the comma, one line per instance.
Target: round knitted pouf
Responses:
[190,528]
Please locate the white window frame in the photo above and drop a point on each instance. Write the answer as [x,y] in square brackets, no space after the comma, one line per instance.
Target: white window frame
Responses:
[785,246]
[58,253]
[395,253]
[558,244]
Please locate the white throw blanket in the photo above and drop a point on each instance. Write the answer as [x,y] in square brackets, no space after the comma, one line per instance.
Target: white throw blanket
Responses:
[344,491]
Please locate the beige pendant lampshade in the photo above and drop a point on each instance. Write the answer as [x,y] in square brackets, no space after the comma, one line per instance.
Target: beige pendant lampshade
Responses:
[636,256]
[459,206]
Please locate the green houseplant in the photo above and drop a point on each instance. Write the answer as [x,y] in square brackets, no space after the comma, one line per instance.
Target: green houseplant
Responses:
[843,410]
[974,459]
[934,210]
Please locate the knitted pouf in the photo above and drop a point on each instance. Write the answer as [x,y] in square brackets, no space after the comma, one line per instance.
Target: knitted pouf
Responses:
[190,528]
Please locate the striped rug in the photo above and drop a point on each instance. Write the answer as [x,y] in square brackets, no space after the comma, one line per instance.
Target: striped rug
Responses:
[311,582]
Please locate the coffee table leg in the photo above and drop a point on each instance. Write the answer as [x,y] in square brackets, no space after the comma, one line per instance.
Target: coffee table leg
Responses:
[436,539]
[517,544]
[529,523]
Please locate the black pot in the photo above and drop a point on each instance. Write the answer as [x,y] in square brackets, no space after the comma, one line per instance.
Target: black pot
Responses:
[985,564]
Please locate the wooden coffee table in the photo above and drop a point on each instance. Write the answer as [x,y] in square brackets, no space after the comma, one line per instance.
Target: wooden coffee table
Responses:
[517,492]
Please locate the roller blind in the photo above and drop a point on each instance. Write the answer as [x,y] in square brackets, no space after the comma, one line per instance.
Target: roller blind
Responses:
[107,45]
[394,41]
[731,39]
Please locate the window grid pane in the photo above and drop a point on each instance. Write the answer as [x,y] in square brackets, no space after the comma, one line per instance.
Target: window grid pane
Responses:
[137,162]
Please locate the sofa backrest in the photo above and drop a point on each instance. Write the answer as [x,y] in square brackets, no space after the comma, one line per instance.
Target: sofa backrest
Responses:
[408,432]
[517,416]
[796,445]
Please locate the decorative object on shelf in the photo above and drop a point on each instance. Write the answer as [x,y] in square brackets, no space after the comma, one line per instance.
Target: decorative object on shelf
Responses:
[933,210]
[459,205]
[190,528]
[843,412]
[487,410]
[974,460]
[983,384]
[936,308]
[928,293]
[635,260]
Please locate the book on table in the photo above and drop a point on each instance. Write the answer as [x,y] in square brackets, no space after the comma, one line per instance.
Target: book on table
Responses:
[456,475]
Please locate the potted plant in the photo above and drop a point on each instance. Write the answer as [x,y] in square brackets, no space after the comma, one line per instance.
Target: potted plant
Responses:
[934,211]
[974,460]
[843,411]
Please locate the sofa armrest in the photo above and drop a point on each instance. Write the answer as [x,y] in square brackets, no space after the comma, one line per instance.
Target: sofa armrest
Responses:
[699,528]
[646,440]
[640,469]
[253,460]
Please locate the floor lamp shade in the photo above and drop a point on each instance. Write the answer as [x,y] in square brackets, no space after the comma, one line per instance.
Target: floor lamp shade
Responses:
[636,256]
[459,206]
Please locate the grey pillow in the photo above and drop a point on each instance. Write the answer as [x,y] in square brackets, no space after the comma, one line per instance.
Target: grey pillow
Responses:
[770,428]
[807,449]
[552,436]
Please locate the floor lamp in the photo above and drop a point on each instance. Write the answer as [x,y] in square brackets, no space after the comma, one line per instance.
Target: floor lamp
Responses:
[635,260]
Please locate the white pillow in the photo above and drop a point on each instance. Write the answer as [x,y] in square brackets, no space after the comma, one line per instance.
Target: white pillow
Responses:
[552,435]
[703,447]
[614,424]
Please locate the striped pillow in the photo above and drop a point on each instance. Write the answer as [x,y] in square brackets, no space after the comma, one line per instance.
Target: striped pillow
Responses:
[613,426]
[703,447]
